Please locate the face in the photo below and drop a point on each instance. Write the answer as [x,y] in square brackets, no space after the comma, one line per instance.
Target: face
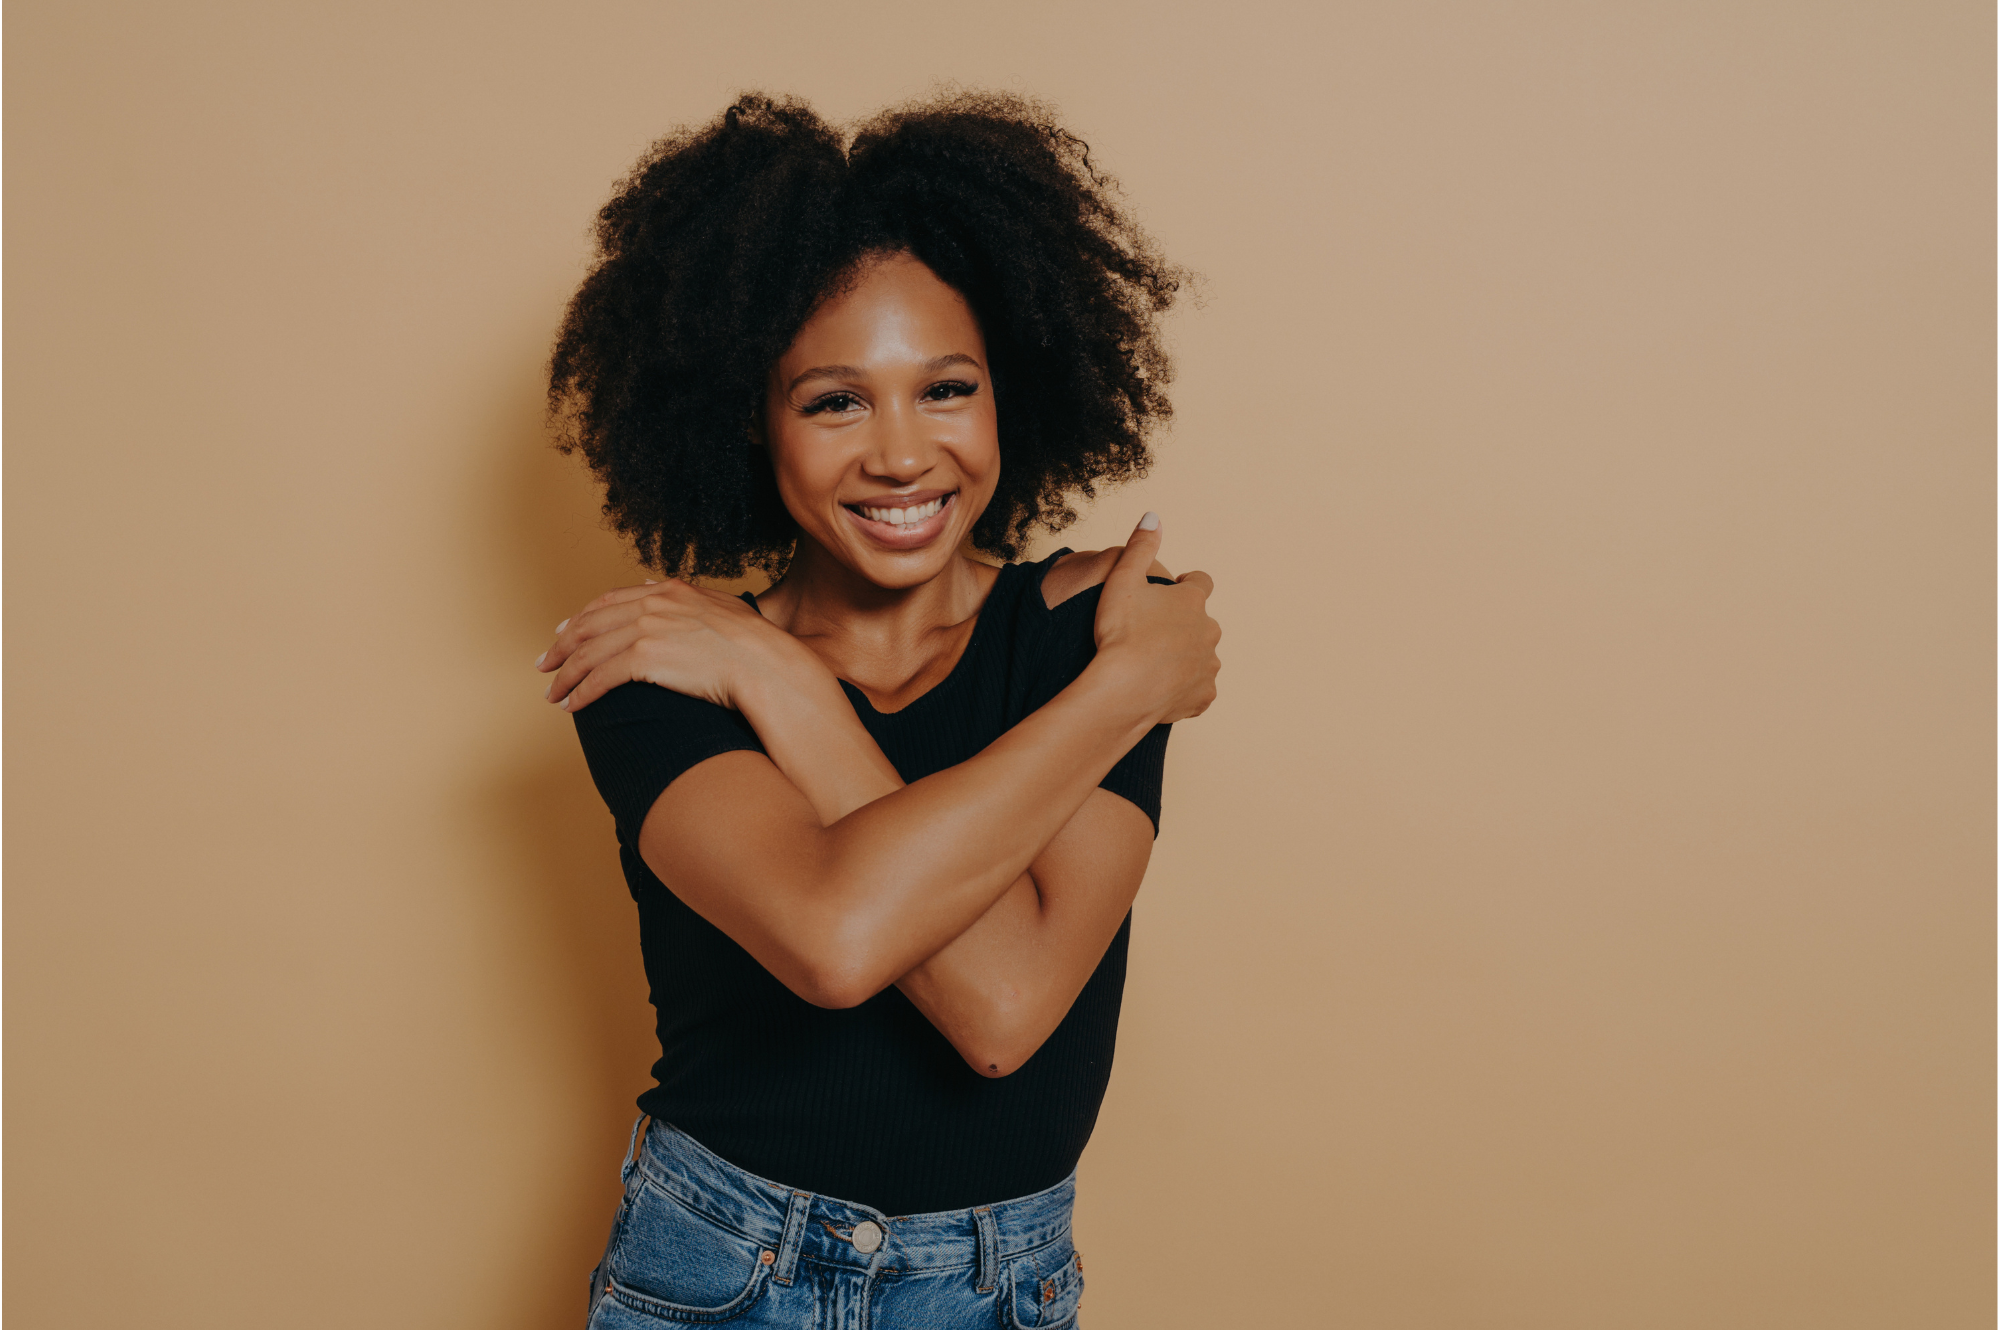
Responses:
[880,423]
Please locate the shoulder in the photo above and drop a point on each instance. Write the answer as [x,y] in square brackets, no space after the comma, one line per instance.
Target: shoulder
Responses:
[640,738]
[1077,571]
[646,704]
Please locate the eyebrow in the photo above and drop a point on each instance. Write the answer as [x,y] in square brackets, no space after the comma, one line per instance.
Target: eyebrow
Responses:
[931,366]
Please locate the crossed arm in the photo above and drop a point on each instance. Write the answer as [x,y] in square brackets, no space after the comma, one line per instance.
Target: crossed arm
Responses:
[987,892]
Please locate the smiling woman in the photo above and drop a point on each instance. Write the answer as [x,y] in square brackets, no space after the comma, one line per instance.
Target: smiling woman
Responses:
[857,435]
[885,822]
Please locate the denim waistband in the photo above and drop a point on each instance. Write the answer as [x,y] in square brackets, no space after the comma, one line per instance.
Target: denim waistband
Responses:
[795,1225]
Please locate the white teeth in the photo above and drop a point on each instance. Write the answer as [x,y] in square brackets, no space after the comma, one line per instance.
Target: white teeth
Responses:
[922,512]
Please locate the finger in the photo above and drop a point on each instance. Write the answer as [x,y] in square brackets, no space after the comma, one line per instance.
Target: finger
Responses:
[611,610]
[1198,579]
[555,655]
[1139,554]
[587,657]
[618,595]
[609,674]
[571,633]
[1160,570]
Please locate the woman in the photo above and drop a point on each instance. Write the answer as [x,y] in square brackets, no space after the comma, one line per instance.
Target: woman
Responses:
[884,822]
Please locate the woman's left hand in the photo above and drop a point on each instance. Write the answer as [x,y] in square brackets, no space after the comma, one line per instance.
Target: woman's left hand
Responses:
[702,643]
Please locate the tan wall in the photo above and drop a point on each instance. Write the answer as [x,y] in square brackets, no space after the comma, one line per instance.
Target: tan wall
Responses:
[1575,913]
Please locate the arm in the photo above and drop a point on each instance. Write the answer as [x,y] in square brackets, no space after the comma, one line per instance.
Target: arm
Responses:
[1000,988]
[837,902]
[838,912]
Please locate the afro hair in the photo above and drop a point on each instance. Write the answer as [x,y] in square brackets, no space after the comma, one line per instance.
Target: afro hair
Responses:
[721,242]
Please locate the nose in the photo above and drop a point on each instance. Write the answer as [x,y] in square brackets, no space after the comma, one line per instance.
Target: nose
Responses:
[902,452]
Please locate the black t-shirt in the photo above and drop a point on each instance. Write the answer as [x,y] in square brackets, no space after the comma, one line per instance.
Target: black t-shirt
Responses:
[869,1104]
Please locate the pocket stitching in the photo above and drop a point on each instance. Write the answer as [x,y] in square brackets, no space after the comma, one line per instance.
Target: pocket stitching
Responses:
[1012,1317]
[660,1309]
[645,1304]
[616,1247]
[667,1193]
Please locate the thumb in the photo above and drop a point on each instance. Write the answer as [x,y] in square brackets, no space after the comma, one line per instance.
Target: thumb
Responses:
[1140,551]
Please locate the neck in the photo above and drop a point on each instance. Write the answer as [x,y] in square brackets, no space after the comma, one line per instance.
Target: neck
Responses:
[822,598]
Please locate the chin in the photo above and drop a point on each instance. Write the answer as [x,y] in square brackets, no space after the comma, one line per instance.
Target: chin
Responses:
[903,569]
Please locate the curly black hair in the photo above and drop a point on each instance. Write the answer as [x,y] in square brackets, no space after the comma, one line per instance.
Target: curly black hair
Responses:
[722,241]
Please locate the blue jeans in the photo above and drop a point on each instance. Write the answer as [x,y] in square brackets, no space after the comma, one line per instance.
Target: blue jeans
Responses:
[697,1241]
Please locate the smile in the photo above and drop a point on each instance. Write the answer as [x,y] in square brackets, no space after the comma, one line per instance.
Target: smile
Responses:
[902,516]
[903,523]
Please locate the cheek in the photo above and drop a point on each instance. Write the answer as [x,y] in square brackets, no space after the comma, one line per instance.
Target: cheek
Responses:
[806,476]
[978,451]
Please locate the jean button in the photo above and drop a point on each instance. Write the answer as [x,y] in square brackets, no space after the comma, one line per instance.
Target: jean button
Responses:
[867,1236]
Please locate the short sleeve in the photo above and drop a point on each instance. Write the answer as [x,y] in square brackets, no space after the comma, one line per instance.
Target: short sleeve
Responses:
[639,738]
[1068,643]
[1140,773]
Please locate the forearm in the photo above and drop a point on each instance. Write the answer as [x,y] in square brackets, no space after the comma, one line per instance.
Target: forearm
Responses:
[998,989]
[839,911]
[918,865]
[811,733]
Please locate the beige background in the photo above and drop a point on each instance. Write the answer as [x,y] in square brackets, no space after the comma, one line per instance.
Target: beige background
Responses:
[1576,912]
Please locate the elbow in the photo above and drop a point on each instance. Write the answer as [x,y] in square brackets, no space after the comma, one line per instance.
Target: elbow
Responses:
[827,960]
[836,958]
[835,977]
[833,987]
[996,1058]
[994,1064]
[1002,1044]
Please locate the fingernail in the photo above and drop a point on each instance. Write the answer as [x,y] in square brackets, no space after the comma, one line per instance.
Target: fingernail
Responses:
[539,659]
[565,623]
[651,582]
[1149,522]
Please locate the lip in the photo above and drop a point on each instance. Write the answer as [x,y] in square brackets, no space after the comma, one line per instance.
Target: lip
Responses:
[905,537]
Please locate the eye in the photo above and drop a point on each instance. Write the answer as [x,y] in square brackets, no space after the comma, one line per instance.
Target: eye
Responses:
[836,402]
[949,388]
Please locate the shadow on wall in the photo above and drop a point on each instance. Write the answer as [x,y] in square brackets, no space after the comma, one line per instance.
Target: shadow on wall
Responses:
[581,992]
[594,1031]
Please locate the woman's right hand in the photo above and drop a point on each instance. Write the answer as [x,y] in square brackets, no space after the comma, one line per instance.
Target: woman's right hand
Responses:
[695,641]
[1160,637]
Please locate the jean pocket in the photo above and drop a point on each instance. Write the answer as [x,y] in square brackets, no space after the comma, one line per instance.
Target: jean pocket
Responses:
[672,1263]
[1045,1287]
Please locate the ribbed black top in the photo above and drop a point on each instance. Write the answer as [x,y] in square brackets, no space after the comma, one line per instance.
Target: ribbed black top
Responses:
[870,1104]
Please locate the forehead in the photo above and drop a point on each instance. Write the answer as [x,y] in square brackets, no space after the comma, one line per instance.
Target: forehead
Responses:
[894,308]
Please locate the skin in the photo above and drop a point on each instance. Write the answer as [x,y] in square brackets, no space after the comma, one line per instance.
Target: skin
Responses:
[987,892]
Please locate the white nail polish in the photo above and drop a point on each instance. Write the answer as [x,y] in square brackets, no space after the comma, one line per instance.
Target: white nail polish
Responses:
[539,659]
[565,623]
[1150,522]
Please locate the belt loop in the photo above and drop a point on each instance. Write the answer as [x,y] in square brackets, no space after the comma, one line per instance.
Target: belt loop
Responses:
[632,1148]
[795,1234]
[989,1248]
